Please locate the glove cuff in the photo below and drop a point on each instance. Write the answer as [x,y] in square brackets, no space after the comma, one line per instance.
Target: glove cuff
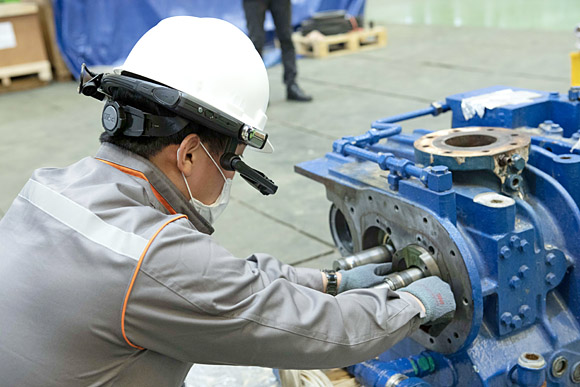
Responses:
[426,304]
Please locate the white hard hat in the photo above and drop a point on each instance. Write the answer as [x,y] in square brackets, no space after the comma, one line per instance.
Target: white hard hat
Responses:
[209,59]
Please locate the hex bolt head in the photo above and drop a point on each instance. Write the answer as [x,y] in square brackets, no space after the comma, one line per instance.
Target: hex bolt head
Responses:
[551,279]
[515,241]
[505,252]
[439,169]
[523,271]
[550,258]
[525,312]
[506,318]
[515,282]
[524,244]
[516,322]
[518,162]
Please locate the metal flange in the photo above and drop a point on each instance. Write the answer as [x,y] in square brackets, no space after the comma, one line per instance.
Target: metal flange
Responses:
[470,148]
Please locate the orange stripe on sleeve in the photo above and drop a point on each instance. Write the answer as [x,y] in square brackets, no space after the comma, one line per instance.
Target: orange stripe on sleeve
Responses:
[137,268]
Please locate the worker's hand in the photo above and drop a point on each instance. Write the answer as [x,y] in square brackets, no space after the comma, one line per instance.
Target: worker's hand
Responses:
[435,295]
[363,276]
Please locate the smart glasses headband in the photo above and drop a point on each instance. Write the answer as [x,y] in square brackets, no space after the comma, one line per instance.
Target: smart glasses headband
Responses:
[184,105]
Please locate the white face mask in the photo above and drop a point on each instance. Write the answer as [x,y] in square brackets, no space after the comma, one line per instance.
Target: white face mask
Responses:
[210,212]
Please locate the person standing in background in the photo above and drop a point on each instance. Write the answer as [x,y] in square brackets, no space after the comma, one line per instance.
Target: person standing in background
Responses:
[281,11]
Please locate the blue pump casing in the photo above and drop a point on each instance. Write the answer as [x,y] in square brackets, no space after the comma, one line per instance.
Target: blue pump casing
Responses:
[495,201]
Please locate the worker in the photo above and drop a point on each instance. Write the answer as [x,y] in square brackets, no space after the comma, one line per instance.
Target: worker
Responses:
[281,10]
[108,272]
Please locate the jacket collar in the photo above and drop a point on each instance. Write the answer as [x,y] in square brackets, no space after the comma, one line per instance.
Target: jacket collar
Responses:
[165,188]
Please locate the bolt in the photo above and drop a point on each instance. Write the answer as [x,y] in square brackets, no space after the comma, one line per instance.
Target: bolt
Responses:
[439,170]
[551,127]
[515,241]
[505,252]
[554,95]
[515,282]
[200,109]
[516,322]
[524,245]
[525,312]
[518,162]
[523,271]
[506,318]
[551,279]
[550,259]
[503,160]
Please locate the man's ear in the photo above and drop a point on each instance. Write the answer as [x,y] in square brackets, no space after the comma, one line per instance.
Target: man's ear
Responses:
[187,153]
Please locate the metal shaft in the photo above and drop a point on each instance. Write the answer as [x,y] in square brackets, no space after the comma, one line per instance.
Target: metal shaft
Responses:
[401,279]
[379,254]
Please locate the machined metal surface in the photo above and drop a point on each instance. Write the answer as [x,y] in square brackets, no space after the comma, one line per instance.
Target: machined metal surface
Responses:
[415,255]
[368,216]
[575,374]
[379,254]
[559,366]
[400,279]
[472,142]
[502,151]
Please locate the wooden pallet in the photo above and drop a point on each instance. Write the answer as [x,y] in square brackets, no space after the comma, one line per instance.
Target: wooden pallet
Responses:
[46,18]
[40,69]
[317,45]
[26,53]
[340,378]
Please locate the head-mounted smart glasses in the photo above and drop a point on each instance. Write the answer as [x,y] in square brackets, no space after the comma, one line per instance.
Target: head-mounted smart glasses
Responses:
[184,105]
[134,122]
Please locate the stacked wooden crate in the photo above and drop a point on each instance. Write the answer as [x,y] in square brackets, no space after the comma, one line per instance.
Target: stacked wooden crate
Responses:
[22,46]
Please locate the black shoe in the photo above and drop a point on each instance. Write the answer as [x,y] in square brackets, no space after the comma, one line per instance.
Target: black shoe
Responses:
[295,93]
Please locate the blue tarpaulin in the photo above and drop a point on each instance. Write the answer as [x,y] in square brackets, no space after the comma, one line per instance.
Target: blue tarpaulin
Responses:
[102,33]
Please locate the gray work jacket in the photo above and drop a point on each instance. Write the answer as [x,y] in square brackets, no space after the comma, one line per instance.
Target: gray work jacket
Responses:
[109,277]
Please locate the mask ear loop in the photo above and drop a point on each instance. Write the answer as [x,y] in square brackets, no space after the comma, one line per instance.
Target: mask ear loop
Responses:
[213,161]
[184,179]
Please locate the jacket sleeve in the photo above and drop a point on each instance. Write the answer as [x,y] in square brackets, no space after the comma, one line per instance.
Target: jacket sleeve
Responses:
[274,269]
[195,302]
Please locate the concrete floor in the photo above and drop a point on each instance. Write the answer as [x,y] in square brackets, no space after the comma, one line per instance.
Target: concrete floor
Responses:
[435,48]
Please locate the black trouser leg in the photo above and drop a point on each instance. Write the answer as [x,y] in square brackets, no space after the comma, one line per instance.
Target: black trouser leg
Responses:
[255,11]
[282,15]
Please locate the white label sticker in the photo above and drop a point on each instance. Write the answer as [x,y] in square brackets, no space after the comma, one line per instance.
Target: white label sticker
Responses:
[7,36]
[477,105]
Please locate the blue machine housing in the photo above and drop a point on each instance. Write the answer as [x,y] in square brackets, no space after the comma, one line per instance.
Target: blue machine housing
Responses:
[503,226]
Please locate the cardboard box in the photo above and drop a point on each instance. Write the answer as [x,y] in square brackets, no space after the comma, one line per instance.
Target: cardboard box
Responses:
[46,17]
[22,48]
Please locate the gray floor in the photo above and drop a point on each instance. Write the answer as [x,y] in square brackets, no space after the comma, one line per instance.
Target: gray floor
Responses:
[53,126]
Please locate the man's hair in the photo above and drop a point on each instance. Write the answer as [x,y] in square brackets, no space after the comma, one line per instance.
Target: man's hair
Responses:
[150,146]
